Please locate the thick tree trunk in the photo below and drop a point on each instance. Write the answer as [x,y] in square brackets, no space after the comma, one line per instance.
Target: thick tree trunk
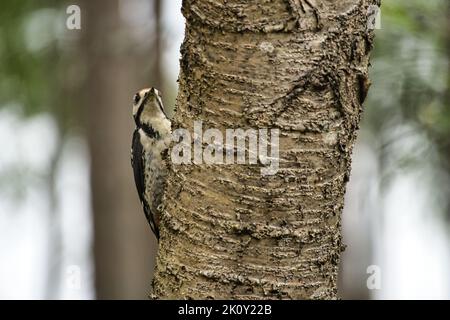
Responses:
[296,65]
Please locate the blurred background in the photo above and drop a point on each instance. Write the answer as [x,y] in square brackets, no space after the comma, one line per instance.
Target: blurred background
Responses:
[71,226]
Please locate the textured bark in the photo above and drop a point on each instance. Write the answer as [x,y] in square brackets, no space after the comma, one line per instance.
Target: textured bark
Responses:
[299,66]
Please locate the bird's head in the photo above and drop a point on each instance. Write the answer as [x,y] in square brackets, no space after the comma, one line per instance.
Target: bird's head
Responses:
[147,105]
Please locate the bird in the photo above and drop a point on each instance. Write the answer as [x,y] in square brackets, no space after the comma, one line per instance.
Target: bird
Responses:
[149,152]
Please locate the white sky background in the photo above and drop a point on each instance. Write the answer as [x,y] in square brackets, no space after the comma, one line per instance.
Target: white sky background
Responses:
[414,246]
[411,243]
[173,22]
[396,226]
[25,219]
[413,251]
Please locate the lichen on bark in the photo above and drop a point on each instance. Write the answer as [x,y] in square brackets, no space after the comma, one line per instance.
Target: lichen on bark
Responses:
[297,65]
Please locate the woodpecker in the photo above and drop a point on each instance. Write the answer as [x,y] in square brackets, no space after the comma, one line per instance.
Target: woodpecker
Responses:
[149,152]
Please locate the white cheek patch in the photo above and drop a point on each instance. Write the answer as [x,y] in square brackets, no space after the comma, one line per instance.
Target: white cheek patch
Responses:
[135,109]
[159,100]
[141,101]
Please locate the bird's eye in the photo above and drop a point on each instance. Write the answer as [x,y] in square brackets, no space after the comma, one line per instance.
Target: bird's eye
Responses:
[136,98]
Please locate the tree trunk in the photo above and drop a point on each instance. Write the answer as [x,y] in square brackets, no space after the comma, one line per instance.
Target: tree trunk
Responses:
[299,66]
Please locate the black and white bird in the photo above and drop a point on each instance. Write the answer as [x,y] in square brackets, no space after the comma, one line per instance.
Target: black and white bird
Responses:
[149,152]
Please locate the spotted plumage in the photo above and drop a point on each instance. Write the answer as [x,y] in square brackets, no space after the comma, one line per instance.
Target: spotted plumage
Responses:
[149,149]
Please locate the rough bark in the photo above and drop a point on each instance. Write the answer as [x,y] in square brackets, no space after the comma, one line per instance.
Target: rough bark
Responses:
[300,66]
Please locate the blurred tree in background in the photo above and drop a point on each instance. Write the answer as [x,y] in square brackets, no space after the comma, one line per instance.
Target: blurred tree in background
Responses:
[85,80]
[408,109]
[116,65]
[79,84]
[32,82]
[406,125]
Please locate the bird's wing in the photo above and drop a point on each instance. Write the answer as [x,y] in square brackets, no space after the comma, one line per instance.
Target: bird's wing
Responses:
[137,162]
